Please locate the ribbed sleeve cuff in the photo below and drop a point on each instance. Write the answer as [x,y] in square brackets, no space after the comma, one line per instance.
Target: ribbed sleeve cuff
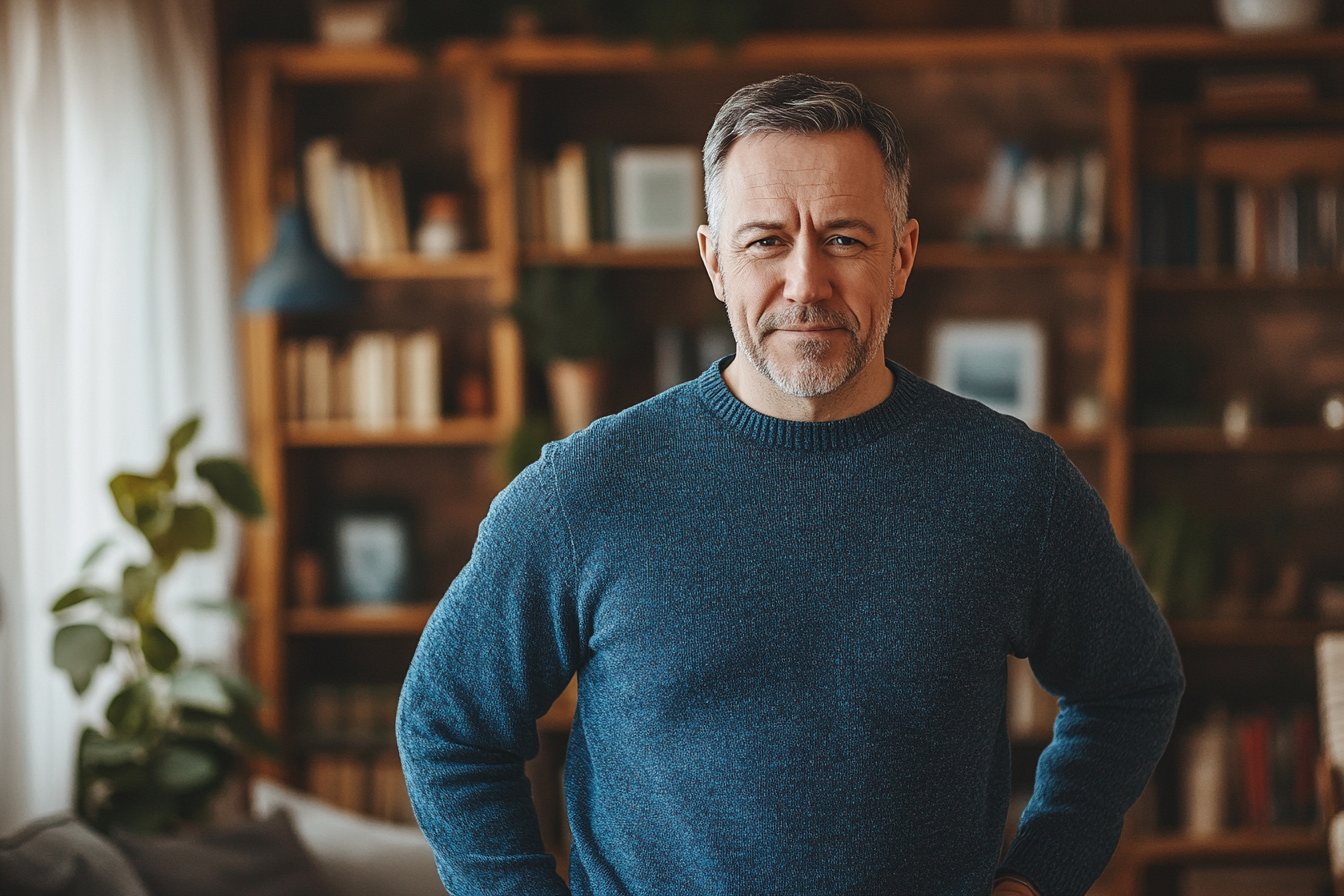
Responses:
[1053,870]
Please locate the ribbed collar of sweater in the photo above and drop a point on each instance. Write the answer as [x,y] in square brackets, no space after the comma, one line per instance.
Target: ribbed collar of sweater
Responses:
[850,432]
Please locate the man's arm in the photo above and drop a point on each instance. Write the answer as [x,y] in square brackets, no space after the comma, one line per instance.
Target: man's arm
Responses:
[1098,641]
[499,649]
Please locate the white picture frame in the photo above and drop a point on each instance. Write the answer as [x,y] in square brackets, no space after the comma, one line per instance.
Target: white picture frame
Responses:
[658,196]
[1000,363]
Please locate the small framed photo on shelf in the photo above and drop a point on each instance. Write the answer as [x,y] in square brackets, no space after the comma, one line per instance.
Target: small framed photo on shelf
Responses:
[658,195]
[1000,363]
[372,552]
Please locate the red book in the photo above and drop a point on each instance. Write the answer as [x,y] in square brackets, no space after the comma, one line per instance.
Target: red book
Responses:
[1253,746]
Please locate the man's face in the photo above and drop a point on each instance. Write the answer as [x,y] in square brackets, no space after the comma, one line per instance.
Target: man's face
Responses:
[807,262]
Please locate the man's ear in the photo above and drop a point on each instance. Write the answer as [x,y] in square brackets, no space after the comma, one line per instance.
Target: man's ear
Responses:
[709,254]
[903,259]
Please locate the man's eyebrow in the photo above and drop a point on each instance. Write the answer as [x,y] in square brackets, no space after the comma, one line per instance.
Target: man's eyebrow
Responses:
[838,224]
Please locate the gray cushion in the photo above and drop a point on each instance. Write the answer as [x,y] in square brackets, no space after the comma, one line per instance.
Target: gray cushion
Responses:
[257,858]
[62,856]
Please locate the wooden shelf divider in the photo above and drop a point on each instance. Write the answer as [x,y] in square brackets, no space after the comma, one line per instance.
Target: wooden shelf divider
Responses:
[463,266]
[1308,843]
[1211,440]
[1299,633]
[451,431]
[395,619]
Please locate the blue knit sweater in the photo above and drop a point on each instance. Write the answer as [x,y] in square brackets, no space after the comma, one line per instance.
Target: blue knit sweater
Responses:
[790,640]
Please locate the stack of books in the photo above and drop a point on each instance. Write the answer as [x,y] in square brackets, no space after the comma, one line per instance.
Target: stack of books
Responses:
[358,210]
[1031,201]
[377,380]
[353,761]
[599,192]
[1221,225]
[1250,770]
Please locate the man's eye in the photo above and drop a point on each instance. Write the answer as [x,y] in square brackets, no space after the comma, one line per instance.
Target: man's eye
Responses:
[844,241]
[767,242]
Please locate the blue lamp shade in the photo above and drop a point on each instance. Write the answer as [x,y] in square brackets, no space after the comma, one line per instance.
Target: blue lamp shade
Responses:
[298,277]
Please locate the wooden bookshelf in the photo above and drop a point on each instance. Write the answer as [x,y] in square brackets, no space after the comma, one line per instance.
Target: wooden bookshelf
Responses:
[1270,843]
[462,266]
[400,619]
[1211,440]
[460,431]
[1288,633]
[495,79]
[1226,281]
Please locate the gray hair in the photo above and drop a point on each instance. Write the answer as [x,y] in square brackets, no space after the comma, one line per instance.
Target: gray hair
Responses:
[806,105]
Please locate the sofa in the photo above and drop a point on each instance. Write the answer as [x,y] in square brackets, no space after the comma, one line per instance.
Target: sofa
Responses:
[294,846]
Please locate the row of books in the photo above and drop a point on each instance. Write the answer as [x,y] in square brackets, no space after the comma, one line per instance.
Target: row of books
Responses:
[1032,201]
[349,714]
[1254,769]
[368,785]
[1281,229]
[358,209]
[377,380]
[602,192]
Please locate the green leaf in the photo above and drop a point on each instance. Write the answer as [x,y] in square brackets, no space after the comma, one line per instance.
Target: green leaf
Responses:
[241,690]
[78,595]
[80,649]
[97,751]
[160,651]
[192,529]
[98,550]
[200,688]
[183,435]
[181,769]
[234,484]
[245,730]
[141,501]
[138,584]
[132,710]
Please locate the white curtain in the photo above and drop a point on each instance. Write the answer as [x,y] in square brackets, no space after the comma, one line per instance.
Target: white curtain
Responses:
[114,326]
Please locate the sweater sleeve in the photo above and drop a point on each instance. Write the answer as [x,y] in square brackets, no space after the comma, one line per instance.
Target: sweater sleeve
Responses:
[500,647]
[1098,642]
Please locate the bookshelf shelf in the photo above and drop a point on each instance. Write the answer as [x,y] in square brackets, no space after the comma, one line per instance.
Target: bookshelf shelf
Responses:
[464,266]
[337,65]
[1295,633]
[1221,281]
[610,256]
[1210,440]
[1070,437]
[1286,843]
[458,431]
[407,619]
[953,256]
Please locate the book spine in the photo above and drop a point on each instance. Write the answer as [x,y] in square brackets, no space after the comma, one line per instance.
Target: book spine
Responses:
[419,378]
[571,173]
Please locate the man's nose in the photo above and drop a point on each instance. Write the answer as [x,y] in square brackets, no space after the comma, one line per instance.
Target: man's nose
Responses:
[807,274]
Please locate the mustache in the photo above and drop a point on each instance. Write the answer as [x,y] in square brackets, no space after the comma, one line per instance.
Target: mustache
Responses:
[808,314]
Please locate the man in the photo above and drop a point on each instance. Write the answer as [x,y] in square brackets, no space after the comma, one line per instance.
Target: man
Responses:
[788,590]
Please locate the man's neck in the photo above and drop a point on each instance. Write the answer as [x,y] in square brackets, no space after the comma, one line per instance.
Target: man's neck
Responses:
[864,391]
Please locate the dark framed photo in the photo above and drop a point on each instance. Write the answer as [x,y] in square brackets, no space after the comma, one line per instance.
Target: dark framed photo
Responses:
[373,552]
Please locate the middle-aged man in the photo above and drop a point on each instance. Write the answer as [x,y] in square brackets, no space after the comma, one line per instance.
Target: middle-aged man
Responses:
[788,589]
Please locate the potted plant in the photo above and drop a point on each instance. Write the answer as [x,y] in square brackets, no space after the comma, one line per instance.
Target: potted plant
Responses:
[566,317]
[175,730]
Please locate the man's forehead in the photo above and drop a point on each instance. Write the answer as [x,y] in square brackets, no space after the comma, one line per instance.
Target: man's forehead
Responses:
[767,167]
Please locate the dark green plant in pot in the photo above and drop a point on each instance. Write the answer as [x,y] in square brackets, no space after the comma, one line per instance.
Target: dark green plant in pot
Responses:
[175,730]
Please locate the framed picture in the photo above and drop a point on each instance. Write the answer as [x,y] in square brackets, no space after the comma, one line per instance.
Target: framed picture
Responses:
[998,363]
[372,552]
[658,195]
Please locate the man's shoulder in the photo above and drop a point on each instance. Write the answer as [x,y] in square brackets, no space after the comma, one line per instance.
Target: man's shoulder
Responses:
[980,437]
[633,436]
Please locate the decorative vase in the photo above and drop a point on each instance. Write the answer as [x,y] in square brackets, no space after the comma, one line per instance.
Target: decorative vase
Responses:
[576,389]
[1263,16]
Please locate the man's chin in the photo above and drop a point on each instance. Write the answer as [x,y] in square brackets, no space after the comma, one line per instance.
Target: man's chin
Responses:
[808,379]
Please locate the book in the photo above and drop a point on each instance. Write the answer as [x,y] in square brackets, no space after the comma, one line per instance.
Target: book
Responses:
[419,377]
[373,380]
[1204,776]
[389,798]
[571,192]
[315,380]
[321,158]
[1091,199]
[291,365]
